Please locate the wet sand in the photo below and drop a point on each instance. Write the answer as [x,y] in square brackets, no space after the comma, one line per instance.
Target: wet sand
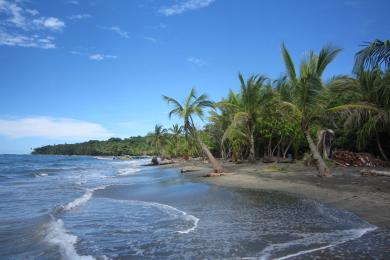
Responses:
[347,189]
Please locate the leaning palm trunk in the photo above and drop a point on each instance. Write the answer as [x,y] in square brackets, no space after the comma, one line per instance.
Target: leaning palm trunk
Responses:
[319,162]
[214,162]
[216,165]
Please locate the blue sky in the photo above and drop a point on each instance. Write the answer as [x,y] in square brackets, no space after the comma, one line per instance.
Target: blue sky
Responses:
[88,69]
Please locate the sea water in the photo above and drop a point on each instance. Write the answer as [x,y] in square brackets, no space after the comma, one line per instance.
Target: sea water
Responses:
[79,207]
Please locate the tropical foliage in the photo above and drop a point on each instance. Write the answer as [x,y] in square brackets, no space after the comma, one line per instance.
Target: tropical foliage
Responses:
[275,119]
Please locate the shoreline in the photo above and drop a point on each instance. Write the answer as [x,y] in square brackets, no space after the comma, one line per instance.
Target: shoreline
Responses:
[347,189]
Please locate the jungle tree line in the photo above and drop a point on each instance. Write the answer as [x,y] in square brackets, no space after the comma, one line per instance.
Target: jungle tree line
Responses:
[287,116]
[294,111]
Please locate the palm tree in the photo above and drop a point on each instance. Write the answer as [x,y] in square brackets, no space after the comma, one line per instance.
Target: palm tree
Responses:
[246,107]
[373,56]
[158,137]
[308,94]
[371,113]
[193,106]
[176,131]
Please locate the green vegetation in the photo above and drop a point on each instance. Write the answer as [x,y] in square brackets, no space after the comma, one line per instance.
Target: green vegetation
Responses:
[286,117]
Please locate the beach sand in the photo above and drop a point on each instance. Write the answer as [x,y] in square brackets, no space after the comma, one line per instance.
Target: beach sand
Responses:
[347,189]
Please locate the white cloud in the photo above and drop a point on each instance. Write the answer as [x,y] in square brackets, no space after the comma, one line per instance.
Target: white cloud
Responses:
[33,12]
[117,30]
[196,61]
[34,41]
[79,16]
[48,127]
[100,57]
[14,13]
[19,25]
[150,39]
[51,23]
[72,2]
[184,6]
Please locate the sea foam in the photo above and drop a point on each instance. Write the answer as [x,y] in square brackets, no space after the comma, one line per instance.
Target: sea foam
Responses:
[58,236]
[128,171]
[81,200]
[330,239]
[174,212]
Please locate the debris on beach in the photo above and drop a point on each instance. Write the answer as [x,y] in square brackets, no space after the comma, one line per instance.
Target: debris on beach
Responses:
[214,174]
[370,172]
[157,161]
[190,169]
[348,159]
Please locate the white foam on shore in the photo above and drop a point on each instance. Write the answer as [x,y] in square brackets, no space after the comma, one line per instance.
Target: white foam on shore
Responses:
[81,200]
[41,174]
[338,237]
[58,236]
[128,171]
[175,212]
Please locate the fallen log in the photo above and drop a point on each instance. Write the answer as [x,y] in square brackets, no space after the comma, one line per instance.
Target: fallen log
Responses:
[369,172]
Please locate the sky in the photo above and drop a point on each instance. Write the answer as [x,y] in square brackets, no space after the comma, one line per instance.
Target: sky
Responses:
[75,70]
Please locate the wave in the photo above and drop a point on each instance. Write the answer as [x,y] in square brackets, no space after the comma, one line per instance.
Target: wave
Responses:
[81,200]
[127,172]
[57,235]
[41,175]
[331,239]
[175,212]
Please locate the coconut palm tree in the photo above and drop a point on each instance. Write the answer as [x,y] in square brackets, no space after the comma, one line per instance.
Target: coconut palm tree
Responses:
[371,113]
[308,95]
[176,131]
[157,138]
[373,56]
[246,107]
[193,106]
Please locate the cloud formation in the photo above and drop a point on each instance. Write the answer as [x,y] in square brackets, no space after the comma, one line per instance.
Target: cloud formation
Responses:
[23,27]
[52,128]
[100,57]
[184,6]
[150,39]
[34,41]
[116,29]
[51,23]
[79,16]
[196,61]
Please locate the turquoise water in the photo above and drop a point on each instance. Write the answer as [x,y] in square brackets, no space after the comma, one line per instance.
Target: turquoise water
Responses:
[68,207]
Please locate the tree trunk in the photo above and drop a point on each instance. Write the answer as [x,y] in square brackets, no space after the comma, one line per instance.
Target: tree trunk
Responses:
[216,165]
[378,142]
[252,146]
[320,163]
[287,148]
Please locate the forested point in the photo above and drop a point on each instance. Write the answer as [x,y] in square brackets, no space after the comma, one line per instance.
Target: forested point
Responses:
[112,147]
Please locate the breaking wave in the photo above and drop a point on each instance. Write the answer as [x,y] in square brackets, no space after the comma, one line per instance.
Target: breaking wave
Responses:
[57,235]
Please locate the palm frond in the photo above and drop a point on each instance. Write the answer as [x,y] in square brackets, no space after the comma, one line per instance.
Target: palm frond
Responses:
[325,57]
[373,55]
[288,63]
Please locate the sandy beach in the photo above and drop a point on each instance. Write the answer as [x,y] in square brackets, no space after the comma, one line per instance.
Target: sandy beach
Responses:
[347,189]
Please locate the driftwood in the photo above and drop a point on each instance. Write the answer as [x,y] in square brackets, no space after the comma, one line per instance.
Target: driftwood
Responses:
[190,169]
[156,162]
[213,174]
[370,172]
[347,159]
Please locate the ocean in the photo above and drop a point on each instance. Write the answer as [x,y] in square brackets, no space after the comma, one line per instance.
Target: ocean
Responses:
[79,207]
